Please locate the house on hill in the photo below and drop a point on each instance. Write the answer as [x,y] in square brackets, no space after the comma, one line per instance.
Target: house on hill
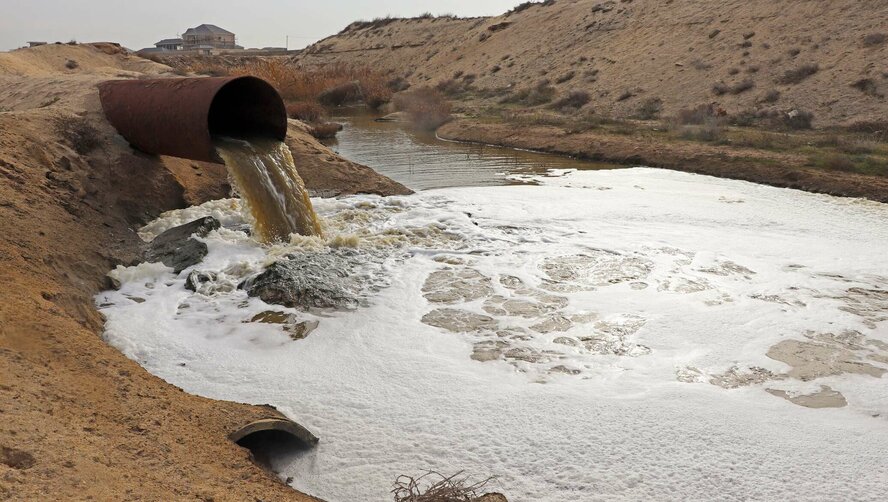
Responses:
[169,44]
[208,37]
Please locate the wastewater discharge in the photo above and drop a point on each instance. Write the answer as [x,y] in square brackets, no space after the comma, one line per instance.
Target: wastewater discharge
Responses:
[653,335]
[266,178]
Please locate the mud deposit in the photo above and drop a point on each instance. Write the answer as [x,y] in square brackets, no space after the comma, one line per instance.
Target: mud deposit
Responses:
[608,335]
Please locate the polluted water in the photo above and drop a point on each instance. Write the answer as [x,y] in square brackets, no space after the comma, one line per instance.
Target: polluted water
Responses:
[270,187]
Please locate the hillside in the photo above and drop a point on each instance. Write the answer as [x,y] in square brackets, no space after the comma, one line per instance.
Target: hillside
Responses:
[827,58]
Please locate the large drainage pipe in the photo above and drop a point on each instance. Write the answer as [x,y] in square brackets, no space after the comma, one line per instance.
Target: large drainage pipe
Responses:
[180,116]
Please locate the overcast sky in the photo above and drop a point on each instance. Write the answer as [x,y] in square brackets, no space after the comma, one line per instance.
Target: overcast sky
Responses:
[257,23]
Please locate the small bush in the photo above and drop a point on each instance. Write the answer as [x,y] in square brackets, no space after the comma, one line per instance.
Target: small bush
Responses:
[700,65]
[797,120]
[741,87]
[874,39]
[78,133]
[625,95]
[771,96]
[539,94]
[836,162]
[867,86]
[426,108]
[650,109]
[325,130]
[71,64]
[566,77]
[697,115]
[876,130]
[799,74]
[720,88]
[709,131]
[574,99]
[453,87]
[342,94]
[306,111]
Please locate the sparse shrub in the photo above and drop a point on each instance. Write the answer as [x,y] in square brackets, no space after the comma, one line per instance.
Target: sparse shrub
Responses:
[874,39]
[876,130]
[867,86]
[526,5]
[324,130]
[720,88]
[625,95]
[836,162]
[795,51]
[454,488]
[714,33]
[495,69]
[299,83]
[742,86]
[733,71]
[574,99]
[697,115]
[566,77]
[700,65]
[539,94]
[650,109]
[453,87]
[799,74]
[709,131]
[306,111]
[398,84]
[745,44]
[797,119]
[78,133]
[426,108]
[71,64]
[499,26]
[748,35]
[771,96]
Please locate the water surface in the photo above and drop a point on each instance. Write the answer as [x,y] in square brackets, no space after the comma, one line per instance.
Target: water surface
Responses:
[421,161]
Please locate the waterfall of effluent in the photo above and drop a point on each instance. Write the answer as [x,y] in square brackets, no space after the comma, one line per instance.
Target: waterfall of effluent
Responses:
[265,177]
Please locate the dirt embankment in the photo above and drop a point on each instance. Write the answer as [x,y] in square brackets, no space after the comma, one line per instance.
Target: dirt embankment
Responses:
[827,58]
[778,169]
[78,420]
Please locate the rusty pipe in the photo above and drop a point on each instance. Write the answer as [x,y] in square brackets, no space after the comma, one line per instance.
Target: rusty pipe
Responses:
[180,116]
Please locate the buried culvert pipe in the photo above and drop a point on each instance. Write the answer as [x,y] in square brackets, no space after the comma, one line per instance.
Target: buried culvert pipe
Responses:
[180,116]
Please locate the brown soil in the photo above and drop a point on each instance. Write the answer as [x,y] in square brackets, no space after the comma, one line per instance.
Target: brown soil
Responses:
[78,420]
[626,52]
[760,166]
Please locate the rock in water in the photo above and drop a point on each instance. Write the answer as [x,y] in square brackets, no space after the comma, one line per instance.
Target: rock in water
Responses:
[177,248]
[306,281]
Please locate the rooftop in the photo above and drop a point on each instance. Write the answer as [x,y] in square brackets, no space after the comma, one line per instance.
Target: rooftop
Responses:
[207,29]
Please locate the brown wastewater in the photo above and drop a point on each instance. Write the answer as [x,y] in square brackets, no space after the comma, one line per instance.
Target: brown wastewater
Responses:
[268,183]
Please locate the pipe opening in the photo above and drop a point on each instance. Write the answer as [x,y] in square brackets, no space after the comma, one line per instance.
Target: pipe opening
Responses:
[274,438]
[266,446]
[248,107]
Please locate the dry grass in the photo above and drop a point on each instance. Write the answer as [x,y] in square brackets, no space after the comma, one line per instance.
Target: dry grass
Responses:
[799,74]
[426,108]
[297,83]
[574,100]
[435,487]
[306,111]
[539,94]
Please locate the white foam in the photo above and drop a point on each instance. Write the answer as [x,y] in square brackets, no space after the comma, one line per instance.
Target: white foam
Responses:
[388,394]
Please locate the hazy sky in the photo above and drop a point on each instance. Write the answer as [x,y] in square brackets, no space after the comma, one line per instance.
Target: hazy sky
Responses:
[257,23]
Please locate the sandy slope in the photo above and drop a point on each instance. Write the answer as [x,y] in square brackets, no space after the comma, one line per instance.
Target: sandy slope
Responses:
[78,420]
[672,51]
